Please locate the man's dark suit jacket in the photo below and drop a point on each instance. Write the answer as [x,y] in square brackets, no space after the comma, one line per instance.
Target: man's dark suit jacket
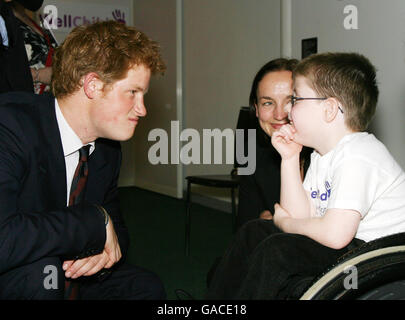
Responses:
[34,219]
[15,74]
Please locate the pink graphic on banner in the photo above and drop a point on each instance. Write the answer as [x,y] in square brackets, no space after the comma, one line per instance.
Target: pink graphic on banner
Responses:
[119,16]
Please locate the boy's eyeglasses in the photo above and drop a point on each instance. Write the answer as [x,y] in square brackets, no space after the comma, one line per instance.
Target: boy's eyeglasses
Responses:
[294,100]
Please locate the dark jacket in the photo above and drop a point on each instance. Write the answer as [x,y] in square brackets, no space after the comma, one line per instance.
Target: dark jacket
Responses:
[34,219]
[15,74]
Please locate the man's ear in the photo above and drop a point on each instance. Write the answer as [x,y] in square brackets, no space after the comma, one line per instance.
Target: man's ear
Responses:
[331,106]
[257,112]
[92,85]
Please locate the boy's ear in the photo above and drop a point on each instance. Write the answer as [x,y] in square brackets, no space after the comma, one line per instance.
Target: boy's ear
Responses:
[92,85]
[331,109]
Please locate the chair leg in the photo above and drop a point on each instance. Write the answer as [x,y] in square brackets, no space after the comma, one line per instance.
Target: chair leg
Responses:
[187,222]
[233,210]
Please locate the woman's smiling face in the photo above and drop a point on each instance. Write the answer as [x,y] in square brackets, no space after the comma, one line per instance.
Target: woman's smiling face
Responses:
[273,94]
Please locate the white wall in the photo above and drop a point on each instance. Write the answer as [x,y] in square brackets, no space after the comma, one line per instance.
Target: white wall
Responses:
[380,36]
[225,44]
[158,20]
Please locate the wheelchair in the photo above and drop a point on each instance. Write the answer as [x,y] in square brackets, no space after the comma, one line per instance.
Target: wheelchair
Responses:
[373,271]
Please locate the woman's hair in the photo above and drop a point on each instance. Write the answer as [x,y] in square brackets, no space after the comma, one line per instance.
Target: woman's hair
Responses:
[348,77]
[107,48]
[280,64]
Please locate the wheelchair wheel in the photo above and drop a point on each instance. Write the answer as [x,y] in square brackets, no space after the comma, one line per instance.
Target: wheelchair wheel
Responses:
[391,291]
[375,275]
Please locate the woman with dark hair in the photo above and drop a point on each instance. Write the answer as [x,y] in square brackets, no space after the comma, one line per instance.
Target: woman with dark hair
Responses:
[271,91]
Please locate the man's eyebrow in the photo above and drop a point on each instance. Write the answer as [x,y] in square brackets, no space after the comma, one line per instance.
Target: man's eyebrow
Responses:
[144,90]
[266,98]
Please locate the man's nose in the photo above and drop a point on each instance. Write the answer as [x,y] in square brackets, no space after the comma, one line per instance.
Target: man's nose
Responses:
[140,108]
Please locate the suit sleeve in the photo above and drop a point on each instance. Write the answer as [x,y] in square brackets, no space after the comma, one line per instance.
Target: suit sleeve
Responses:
[25,237]
[112,205]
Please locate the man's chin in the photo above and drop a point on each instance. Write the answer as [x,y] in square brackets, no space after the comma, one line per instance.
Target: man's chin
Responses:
[120,137]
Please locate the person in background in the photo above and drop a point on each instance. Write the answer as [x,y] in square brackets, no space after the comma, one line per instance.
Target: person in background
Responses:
[39,44]
[15,74]
[271,91]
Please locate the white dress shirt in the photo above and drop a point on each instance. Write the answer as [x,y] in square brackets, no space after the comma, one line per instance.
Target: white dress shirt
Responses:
[3,32]
[71,144]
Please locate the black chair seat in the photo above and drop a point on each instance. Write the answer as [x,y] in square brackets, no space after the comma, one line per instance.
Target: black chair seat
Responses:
[219,181]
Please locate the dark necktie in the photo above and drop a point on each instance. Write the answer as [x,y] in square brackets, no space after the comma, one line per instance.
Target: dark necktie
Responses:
[77,191]
[80,177]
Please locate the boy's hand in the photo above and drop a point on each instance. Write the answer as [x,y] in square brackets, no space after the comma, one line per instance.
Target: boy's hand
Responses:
[283,142]
[279,216]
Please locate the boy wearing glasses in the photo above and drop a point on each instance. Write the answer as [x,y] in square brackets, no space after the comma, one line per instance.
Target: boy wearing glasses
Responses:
[353,192]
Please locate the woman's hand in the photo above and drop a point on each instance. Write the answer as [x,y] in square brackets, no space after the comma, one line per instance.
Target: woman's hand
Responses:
[42,75]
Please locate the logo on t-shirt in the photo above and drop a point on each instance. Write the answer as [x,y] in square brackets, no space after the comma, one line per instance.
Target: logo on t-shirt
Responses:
[323,196]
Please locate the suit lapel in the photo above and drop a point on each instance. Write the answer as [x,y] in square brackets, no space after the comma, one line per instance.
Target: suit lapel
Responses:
[97,160]
[54,160]
[97,174]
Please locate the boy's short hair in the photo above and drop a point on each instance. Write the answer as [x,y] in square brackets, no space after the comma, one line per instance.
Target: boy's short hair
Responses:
[107,48]
[348,77]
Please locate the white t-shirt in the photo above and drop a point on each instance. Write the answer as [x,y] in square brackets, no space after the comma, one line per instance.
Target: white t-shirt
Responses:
[360,174]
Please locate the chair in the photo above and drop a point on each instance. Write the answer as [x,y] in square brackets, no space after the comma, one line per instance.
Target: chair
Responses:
[379,273]
[231,181]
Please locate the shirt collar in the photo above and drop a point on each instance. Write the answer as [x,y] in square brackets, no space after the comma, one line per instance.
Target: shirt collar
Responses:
[70,141]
